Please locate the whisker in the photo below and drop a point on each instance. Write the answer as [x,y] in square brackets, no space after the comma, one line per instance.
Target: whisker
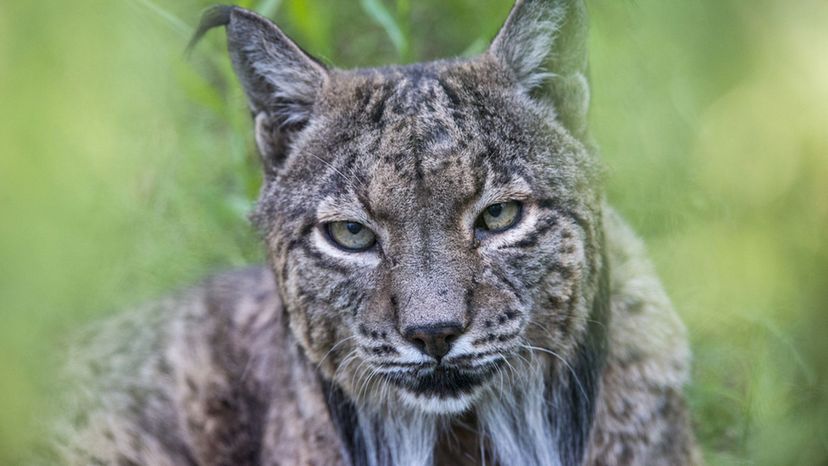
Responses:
[542,327]
[350,357]
[333,348]
[500,374]
[571,370]
[372,372]
[329,165]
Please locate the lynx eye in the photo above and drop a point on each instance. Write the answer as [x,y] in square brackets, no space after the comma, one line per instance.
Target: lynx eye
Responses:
[351,236]
[499,217]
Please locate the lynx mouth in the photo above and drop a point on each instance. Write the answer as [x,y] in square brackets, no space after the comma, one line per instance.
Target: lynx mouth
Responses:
[444,382]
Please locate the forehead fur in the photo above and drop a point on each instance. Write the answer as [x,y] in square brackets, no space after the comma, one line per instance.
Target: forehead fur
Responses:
[419,109]
[443,129]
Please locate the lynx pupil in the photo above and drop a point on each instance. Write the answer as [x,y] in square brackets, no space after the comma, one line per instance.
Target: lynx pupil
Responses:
[499,217]
[350,236]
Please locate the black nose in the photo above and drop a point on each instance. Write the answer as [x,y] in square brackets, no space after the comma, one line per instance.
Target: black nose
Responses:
[434,340]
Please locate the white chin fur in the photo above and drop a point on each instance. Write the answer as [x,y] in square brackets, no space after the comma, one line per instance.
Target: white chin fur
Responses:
[436,405]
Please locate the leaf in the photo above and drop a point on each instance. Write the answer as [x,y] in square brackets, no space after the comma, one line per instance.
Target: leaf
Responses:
[173,21]
[268,8]
[239,206]
[380,14]
[475,48]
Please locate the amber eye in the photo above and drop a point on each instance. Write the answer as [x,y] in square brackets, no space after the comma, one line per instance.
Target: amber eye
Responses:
[499,217]
[351,236]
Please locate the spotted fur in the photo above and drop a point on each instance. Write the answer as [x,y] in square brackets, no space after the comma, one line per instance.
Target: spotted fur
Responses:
[570,352]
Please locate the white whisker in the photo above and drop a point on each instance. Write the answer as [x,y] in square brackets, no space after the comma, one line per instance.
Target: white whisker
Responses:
[571,370]
[333,348]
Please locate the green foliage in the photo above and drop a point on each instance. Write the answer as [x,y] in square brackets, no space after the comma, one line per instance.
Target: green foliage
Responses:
[377,11]
[126,171]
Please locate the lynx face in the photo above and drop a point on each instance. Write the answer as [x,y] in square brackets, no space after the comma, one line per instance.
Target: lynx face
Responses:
[431,226]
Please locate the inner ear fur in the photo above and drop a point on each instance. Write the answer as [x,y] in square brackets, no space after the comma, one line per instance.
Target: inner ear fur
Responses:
[281,81]
[544,45]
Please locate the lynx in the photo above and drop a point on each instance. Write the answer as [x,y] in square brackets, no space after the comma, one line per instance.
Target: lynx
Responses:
[446,283]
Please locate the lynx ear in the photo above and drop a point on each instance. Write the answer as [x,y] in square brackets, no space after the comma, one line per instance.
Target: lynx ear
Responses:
[543,42]
[281,81]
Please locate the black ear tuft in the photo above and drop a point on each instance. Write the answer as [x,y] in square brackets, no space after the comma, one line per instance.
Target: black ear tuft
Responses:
[543,43]
[215,16]
[281,81]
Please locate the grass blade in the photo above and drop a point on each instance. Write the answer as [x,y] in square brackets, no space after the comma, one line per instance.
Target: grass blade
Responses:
[380,15]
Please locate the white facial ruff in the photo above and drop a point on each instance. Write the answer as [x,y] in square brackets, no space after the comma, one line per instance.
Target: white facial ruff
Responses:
[437,405]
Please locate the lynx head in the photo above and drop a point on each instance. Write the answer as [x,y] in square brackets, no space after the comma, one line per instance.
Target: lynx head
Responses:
[429,225]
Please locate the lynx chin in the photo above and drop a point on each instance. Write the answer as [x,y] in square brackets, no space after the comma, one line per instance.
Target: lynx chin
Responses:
[446,283]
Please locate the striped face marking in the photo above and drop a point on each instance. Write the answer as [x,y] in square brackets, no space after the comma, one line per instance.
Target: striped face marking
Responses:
[425,229]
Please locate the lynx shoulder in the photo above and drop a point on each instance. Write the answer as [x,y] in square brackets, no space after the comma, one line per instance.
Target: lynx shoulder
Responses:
[446,283]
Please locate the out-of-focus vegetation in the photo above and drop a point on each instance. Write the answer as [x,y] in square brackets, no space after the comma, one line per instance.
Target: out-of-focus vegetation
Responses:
[126,171]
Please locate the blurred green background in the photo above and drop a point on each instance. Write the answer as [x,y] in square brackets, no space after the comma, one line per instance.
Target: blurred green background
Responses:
[126,171]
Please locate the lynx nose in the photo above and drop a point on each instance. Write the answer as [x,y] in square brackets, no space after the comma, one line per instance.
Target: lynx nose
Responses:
[434,340]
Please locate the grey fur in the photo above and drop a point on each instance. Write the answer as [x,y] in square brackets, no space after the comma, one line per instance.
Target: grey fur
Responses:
[570,352]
